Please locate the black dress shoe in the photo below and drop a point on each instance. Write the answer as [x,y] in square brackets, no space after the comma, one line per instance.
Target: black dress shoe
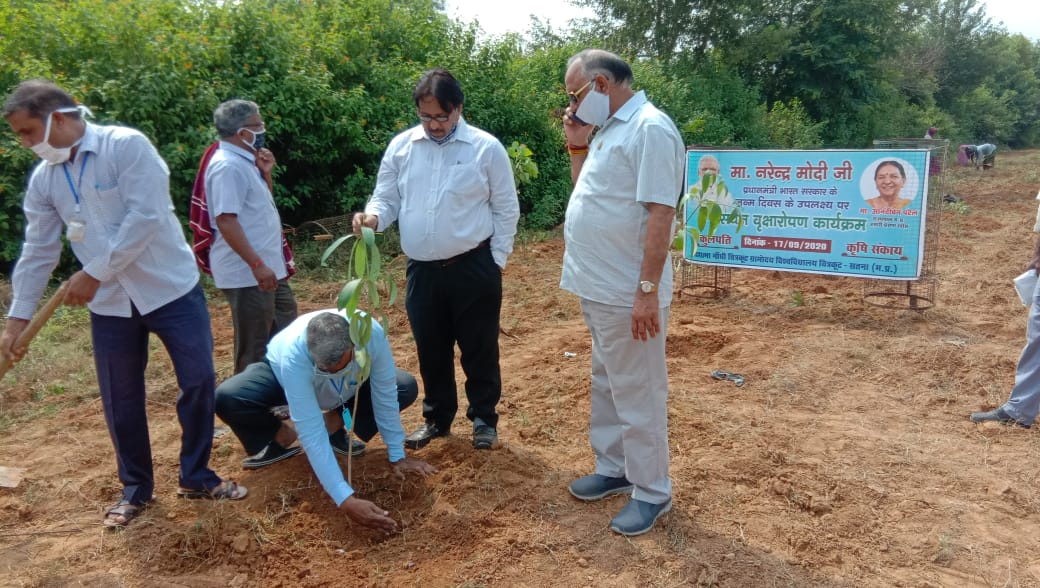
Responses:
[421,437]
[273,453]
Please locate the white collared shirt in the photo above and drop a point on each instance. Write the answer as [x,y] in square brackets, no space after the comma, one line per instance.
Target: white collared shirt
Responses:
[447,198]
[234,185]
[134,244]
[636,158]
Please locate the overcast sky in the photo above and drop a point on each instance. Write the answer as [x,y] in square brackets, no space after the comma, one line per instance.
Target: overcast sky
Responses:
[498,17]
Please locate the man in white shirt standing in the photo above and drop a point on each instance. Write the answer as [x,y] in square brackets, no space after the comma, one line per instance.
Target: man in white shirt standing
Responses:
[110,189]
[617,232]
[451,188]
[246,256]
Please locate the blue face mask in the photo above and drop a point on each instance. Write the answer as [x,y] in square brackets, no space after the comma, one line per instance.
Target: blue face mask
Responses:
[258,138]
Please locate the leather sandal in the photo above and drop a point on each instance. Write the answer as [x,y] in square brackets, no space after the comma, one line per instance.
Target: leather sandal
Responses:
[226,490]
[120,515]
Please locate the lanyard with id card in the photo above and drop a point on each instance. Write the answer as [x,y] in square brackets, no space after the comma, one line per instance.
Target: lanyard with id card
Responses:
[340,387]
[76,228]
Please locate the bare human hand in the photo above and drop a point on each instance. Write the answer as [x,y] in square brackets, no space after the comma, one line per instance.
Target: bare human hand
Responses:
[645,316]
[577,134]
[368,514]
[415,466]
[367,220]
[265,160]
[12,330]
[82,288]
[265,278]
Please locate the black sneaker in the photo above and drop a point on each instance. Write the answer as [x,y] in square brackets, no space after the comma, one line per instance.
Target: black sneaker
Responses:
[339,444]
[268,455]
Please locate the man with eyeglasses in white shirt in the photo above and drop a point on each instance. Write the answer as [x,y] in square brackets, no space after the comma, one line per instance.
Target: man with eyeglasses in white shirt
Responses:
[310,366]
[110,189]
[617,231]
[450,187]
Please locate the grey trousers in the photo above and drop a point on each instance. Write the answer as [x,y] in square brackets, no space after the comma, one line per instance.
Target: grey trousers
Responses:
[628,424]
[257,316]
[1025,396]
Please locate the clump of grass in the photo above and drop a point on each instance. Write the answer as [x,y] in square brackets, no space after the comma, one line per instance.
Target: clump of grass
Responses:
[960,207]
[946,550]
[797,299]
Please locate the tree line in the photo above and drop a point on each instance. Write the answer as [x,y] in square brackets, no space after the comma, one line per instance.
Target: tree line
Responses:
[334,79]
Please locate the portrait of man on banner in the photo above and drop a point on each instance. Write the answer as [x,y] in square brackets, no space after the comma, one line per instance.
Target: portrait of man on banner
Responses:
[708,168]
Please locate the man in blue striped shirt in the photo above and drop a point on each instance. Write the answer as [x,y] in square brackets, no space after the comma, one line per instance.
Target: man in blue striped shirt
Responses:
[109,188]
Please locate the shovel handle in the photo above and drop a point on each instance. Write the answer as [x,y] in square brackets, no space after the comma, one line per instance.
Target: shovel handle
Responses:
[35,325]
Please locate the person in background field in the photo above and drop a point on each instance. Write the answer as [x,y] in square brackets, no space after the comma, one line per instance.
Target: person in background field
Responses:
[935,163]
[450,187]
[310,365]
[246,257]
[617,233]
[982,156]
[1023,405]
[110,189]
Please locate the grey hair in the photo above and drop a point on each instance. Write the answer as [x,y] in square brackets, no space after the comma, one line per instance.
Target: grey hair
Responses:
[38,98]
[328,339]
[595,62]
[232,115]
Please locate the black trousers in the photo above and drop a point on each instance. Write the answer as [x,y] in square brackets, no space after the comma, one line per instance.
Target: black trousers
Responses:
[449,302]
[244,401]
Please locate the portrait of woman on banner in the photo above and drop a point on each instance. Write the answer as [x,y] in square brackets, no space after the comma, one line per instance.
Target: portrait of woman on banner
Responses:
[891,183]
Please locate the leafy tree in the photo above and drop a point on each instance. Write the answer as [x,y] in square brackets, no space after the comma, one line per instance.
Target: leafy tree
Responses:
[665,29]
[832,64]
[958,28]
[790,126]
[1016,81]
[711,105]
[990,118]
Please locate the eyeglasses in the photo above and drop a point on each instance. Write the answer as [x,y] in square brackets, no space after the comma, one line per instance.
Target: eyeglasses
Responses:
[260,126]
[334,374]
[442,118]
[573,96]
[341,372]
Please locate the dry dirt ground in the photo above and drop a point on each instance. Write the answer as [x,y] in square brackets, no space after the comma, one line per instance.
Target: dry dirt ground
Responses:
[847,459]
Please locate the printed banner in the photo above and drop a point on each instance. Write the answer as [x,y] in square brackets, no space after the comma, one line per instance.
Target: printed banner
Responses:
[849,213]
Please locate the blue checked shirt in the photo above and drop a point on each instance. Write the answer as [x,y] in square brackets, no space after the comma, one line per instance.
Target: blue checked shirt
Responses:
[134,243]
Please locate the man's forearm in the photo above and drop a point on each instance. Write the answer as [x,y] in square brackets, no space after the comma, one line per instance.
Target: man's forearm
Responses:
[231,230]
[658,240]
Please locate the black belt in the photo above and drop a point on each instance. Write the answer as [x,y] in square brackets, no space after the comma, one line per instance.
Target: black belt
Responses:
[485,244]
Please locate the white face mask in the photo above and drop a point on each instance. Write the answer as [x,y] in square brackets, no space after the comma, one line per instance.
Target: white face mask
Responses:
[47,152]
[595,108]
